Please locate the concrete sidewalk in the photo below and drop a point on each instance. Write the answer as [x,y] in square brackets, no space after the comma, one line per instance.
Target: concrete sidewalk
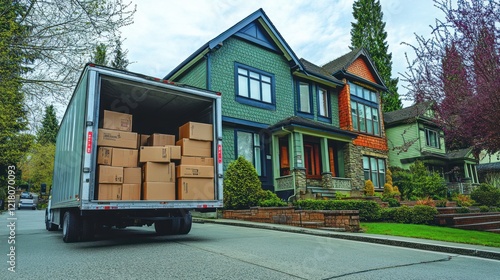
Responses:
[416,243]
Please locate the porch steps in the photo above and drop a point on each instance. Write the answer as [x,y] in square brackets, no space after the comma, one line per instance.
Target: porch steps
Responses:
[322,192]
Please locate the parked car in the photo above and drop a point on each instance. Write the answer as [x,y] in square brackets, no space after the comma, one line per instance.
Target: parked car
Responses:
[26,201]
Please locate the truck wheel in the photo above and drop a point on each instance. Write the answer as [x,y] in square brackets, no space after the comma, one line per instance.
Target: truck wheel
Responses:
[48,224]
[71,232]
[168,227]
[186,223]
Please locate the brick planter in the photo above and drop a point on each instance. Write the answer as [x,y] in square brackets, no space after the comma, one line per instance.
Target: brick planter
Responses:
[346,220]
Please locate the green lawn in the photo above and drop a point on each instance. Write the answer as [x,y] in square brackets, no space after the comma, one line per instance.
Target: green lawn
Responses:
[434,233]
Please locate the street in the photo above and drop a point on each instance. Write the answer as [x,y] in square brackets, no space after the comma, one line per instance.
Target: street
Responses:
[212,251]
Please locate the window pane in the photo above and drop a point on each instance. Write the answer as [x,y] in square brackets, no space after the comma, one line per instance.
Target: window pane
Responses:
[323,102]
[366,94]
[366,168]
[266,93]
[375,121]
[373,97]
[381,172]
[369,123]
[359,91]
[254,75]
[254,89]
[305,105]
[242,71]
[266,79]
[242,86]
[354,114]
[257,154]
[244,142]
[373,165]
[361,111]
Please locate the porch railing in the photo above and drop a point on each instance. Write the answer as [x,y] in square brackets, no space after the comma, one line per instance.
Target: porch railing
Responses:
[337,183]
[462,188]
[285,183]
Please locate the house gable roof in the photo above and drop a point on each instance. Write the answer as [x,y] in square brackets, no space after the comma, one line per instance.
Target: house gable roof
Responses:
[318,72]
[300,122]
[407,114]
[264,32]
[339,68]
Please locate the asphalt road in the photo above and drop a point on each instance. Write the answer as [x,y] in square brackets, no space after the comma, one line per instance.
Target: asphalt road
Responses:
[215,251]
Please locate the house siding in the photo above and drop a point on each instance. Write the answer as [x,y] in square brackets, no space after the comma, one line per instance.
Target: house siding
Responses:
[360,69]
[222,80]
[399,147]
[197,76]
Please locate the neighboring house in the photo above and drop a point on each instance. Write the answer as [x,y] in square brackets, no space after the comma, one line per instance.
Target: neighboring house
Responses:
[488,168]
[412,134]
[290,118]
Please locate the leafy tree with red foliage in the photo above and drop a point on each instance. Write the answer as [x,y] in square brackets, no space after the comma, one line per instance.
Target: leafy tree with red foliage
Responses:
[458,69]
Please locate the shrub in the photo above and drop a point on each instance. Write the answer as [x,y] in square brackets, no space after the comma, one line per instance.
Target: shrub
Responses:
[403,215]
[369,189]
[463,200]
[419,182]
[426,201]
[483,208]
[387,214]
[393,202]
[242,187]
[441,203]
[270,199]
[486,195]
[463,210]
[368,210]
[423,214]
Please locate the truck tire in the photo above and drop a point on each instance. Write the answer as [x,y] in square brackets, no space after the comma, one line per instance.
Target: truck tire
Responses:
[48,224]
[71,231]
[168,227]
[186,223]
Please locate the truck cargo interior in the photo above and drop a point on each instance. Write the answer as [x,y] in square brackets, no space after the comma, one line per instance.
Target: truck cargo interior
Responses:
[154,109]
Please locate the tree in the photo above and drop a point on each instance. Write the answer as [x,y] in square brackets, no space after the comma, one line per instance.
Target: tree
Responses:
[100,54]
[37,165]
[120,60]
[50,127]
[242,187]
[369,32]
[61,39]
[458,69]
[14,142]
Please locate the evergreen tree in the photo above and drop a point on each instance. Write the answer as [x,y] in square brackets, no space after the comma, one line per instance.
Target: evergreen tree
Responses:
[48,132]
[13,122]
[100,54]
[120,60]
[369,32]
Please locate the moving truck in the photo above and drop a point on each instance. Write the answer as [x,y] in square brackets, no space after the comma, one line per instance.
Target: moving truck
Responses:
[119,143]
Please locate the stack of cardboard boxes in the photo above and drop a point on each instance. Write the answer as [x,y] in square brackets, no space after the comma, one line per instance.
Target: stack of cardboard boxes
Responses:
[118,174]
[195,174]
[160,169]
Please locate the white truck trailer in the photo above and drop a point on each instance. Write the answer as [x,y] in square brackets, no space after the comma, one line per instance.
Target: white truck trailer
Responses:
[157,106]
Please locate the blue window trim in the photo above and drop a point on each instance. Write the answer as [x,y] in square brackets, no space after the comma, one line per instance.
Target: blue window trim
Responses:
[329,103]
[250,101]
[262,149]
[298,112]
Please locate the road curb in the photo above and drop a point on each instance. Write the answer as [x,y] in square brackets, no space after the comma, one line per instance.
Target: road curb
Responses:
[400,242]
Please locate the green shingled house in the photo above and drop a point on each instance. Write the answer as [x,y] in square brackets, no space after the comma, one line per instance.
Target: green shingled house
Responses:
[412,134]
[279,112]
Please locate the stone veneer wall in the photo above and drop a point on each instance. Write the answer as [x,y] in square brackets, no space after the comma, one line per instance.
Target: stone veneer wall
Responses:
[347,220]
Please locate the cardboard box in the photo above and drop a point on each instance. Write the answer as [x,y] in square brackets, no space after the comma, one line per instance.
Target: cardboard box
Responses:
[117,139]
[104,155]
[196,131]
[195,189]
[142,140]
[124,157]
[117,121]
[158,191]
[194,171]
[154,154]
[159,172]
[131,191]
[197,161]
[109,192]
[195,148]
[175,152]
[157,139]
[132,175]
[110,174]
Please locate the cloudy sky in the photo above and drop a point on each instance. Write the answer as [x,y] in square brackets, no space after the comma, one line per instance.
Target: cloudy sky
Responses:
[165,32]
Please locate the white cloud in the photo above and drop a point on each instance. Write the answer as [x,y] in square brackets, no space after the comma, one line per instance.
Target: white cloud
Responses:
[165,32]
